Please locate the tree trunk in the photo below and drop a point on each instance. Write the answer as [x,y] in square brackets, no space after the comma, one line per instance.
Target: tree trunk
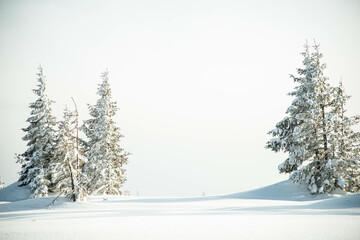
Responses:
[72,183]
[77,141]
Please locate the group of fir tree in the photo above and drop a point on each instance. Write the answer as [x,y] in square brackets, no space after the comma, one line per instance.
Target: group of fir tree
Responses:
[57,161]
[323,149]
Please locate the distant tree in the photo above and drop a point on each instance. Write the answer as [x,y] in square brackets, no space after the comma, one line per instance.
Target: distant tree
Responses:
[308,133]
[106,158]
[66,170]
[1,183]
[40,135]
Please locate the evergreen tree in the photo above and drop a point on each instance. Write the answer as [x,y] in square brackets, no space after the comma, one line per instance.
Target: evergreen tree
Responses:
[40,136]
[298,122]
[308,134]
[316,174]
[65,170]
[106,158]
[346,151]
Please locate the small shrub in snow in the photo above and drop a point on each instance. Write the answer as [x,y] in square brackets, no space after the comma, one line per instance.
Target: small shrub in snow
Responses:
[1,183]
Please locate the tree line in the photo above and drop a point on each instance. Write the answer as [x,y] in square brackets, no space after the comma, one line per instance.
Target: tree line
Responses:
[323,150]
[57,160]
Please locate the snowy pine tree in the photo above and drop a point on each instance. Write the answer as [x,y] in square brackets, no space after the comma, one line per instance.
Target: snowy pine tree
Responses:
[66,169]
[40,136]
[106,158]
[346,151]
[308,134]
[299,120]
[316,173]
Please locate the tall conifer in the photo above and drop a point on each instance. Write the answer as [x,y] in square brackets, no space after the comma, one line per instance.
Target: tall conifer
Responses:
[40,135]
[311,132]
[106,158]
[66,170]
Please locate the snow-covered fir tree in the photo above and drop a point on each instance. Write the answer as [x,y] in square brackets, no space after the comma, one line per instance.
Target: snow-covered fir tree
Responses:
[1,183]
[316,126]
[106,159]
[308,133]
[40,135]
[66,171]
[346,142]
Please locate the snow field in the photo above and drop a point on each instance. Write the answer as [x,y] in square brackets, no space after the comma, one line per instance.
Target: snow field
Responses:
[236,216]
[181,225]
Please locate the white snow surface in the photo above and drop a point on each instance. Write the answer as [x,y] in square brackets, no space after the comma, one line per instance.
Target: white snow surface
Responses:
[13,193]
[280,211]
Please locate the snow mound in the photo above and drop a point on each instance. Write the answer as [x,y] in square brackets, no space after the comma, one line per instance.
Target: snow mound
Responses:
[285,190]
[13,193]
[26,205]
[41,203]
[349,201]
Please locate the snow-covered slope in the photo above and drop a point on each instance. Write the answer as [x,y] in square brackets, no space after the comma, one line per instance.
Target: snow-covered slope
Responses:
[345,202]
[13,193]
[285,190]
[280,211]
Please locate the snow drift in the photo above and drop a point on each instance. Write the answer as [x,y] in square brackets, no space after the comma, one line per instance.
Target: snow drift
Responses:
[285,190]
[279,211]
[13,193]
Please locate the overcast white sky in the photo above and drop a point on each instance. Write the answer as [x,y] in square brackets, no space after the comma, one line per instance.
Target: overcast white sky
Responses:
[199,83]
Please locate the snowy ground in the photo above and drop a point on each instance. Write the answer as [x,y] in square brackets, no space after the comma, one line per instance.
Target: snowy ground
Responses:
[280,211]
